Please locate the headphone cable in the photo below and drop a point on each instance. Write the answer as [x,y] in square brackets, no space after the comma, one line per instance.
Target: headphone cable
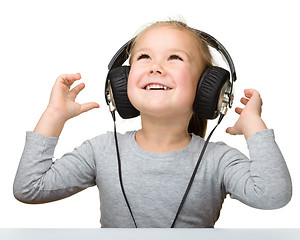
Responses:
[195,171]
[190,182]
[119,167]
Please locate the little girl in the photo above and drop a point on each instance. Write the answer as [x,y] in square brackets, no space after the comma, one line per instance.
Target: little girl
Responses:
[157,160]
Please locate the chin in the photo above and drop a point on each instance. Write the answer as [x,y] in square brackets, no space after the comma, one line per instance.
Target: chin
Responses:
[160,113]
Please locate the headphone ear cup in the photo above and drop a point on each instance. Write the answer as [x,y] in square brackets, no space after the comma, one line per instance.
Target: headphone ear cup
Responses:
[118,80]
[209,87]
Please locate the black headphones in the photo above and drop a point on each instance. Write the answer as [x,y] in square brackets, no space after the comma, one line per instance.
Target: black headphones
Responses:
[214,91]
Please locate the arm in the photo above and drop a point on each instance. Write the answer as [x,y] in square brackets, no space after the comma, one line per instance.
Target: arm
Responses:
[263,181]
[38,178]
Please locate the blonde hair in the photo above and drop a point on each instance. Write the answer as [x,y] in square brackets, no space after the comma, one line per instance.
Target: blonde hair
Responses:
[196,125]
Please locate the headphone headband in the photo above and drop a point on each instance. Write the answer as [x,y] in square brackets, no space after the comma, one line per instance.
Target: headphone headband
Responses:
[214,92]
[120,56]
[211,41]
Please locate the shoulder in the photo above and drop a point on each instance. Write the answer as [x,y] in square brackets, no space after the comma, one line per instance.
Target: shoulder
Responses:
[255,140]
[221,154]
[110,136]
[108,139]
[216,148]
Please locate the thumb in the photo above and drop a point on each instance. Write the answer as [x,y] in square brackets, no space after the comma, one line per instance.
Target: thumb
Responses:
[231,131]
[88,106]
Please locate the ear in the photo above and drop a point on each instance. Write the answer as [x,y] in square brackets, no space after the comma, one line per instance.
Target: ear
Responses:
[118,79]
[209,87]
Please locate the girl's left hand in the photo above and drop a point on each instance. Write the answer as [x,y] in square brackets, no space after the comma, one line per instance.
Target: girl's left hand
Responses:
[250,120]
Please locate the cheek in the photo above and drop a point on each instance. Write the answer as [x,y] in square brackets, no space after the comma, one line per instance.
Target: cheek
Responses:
[187,81]
[131,85]
[133,76]
[188,85]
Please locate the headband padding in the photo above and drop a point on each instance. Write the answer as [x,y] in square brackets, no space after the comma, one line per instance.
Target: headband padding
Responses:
[208,91]
[118,79]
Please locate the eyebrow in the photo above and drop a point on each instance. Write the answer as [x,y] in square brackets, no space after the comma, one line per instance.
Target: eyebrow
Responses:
[171,50]
[179,50]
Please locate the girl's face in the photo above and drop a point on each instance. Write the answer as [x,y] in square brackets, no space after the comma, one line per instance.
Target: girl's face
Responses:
[165,69]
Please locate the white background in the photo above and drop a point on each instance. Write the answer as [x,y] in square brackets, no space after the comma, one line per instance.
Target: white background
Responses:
[42,39]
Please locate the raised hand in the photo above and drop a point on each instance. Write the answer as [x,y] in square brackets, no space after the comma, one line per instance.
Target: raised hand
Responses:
[62,106]
[250,120]
[62,99]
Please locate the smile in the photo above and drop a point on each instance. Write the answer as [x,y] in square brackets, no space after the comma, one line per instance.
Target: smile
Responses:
[156,86]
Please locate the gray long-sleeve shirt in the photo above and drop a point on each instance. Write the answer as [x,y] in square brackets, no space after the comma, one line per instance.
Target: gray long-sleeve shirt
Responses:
[155,182]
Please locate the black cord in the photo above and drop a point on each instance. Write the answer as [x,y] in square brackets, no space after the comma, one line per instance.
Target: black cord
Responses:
[190,182]
[120,168]
[195,171]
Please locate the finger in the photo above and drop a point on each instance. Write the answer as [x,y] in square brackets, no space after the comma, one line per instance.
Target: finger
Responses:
[248,92]
[231,131]
[88,106]
[71,77]
[68,79]
[244,100]
[254,95]
[238,110]
[74,92]
[251,92]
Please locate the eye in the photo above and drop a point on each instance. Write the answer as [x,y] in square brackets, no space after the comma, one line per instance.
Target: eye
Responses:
[175,57]
[143,56]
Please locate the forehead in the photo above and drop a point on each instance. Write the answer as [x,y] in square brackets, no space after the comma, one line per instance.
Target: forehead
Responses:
[167,36]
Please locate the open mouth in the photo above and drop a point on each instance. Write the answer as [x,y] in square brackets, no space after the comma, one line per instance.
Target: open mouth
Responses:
[155,86]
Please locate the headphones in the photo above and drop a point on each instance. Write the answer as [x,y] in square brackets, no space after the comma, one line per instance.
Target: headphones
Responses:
[214,91]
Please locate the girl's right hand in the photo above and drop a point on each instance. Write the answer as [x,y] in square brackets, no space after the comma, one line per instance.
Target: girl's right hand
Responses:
[62,99]
[62,106]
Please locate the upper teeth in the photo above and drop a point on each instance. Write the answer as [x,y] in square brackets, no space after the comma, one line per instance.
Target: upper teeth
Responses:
[156,86]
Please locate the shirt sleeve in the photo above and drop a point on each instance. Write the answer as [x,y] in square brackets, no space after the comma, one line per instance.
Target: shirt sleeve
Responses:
[39,179]
[261,181]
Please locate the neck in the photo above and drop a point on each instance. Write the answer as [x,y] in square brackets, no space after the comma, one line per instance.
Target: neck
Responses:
[161,135]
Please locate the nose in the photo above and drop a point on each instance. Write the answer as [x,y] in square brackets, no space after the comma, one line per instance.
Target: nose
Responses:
[155,71]
[156,68]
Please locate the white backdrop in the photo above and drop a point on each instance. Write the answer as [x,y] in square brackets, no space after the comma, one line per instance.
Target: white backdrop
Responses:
[42,39]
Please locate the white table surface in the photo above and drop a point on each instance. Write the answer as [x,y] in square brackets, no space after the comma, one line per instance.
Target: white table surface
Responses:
[147,234]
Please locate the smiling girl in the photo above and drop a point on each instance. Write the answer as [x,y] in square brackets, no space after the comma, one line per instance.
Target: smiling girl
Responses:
[166,62]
